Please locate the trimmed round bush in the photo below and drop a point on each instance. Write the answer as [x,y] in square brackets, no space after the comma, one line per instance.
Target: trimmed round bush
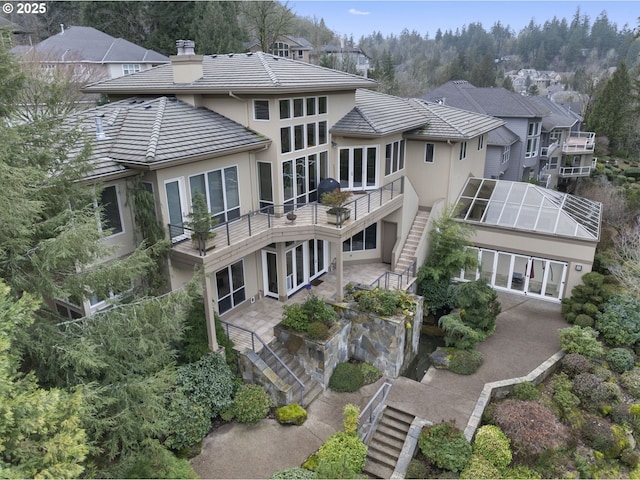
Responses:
[574,364]
[619,322]
[187,421]
[526,391]
[465,362]
[591,390]
[152,461]
[480,467]
[445,446]
[532,428]
[620,360]
[604,437]
[342,449]
[369,373]
[581,340]
[492,444]
[251,404]
[416,469]
[293,474]
[630,458]
[583,320]
[292,414]
[631,382]
[317,331]
[347,377]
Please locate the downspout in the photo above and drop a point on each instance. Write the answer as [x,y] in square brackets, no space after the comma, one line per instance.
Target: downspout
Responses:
[452,156]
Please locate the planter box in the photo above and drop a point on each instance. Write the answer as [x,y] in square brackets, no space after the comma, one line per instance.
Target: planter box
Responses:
[339,218]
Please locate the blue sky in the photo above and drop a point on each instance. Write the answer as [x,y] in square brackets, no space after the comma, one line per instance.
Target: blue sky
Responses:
[360,18]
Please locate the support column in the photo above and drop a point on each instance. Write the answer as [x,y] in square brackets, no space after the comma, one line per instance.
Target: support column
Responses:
[281,261]
[210,313]
[339,289]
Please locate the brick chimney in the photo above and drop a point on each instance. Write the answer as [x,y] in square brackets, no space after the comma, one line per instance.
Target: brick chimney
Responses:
[187,66]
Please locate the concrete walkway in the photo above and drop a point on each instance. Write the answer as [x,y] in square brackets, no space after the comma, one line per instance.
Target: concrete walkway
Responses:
[526,336]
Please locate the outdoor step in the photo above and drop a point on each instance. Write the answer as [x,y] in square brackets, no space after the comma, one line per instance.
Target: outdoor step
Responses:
[399,415]
[386,443]
[383,454]
[399,424]
[311,392]
[374,469]
[391,432]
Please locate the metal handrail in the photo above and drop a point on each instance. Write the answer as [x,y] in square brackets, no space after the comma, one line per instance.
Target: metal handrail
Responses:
[399,277]
[360,205]
[373,412]
[268,349]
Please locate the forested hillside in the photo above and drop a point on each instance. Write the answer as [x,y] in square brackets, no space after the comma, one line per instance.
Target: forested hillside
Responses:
[407,64]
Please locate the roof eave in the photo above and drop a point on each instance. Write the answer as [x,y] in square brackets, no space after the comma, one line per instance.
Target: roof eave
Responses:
[192,89]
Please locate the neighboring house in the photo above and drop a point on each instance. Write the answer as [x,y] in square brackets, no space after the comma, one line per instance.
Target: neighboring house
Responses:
[338,57]
[92,52]
[541,140]
[260,135]
[567,152]
[286,46]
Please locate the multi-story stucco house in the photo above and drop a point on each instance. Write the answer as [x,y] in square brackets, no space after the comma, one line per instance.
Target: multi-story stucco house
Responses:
[286,46]
[541,140]
[260,135]
[95,54]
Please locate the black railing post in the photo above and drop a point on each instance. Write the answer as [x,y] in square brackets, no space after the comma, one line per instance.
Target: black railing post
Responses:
[228,233]
[249,222]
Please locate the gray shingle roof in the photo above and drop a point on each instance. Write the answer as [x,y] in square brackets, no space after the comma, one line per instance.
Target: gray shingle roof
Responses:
[502,137]
[498,102]
[380,114]
[557,116]
[238,73]
[144,134]
[86,44]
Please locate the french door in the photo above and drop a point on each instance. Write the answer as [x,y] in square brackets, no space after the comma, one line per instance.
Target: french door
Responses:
[357,168]
[176,203]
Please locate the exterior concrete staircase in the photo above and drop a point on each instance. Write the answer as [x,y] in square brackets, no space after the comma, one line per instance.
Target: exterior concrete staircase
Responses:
[408,253]
[386,444]
[311,387]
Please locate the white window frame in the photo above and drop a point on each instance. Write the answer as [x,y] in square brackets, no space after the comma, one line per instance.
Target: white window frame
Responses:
[506,154]
[480,142]
[129,68]
[426,153]
[463,151]
[233,289]
[553,163]
[224,214]
[396,161]
[280,49]
[533,140]
[347,245]
[256,108]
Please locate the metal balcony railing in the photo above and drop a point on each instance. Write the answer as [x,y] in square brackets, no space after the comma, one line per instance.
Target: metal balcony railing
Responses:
[256,222]
[579,142]
[577,171]
[390,280]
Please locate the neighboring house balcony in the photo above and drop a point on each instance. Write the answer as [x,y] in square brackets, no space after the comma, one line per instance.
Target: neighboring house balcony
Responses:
[578,170]
[544,177]
[580,142]
[548,151]
[282,223]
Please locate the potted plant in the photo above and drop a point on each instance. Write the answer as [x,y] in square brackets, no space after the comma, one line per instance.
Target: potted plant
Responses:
[200,223]
[337,213]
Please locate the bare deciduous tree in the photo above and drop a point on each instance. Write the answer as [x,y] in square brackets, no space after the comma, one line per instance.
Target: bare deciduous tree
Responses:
[267,20]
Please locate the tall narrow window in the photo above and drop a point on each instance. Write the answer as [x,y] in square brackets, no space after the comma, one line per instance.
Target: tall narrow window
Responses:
[322,105]
[230,286]
[463,150]
[285,109]
[480,142]
[111,219]
[285,139]
[265,184]
[429,152]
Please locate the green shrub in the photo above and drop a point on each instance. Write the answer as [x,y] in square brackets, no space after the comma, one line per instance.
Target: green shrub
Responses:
[620,360]
[492,444]
[521,472]
[526,391]
[458,334]
[591,390]
[370,373]
[347,377]
[619,322]
[633,172]
[465,362]
[581,340]
[479,467]
[300,317]
[604,437]
[565,401]
[416,469]
[631,382]
[342,452]
[292,414]
[194,342]
[317,310]
[187,421]
[384,302]
[574,364]
[583,320]
[208,382]
[630,458]
[317,331]
[294,474]
[590,309]
[481,306]
[251,404]
[445,446]
[152,461]
[350,415]
[294,317]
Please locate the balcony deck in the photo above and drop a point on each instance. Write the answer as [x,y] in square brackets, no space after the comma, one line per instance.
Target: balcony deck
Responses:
[255,230]
[580,142]
[577,171]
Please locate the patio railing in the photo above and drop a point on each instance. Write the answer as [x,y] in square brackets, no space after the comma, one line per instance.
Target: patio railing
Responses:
[370,414]
[267,217]
[281,369]
[395,280]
